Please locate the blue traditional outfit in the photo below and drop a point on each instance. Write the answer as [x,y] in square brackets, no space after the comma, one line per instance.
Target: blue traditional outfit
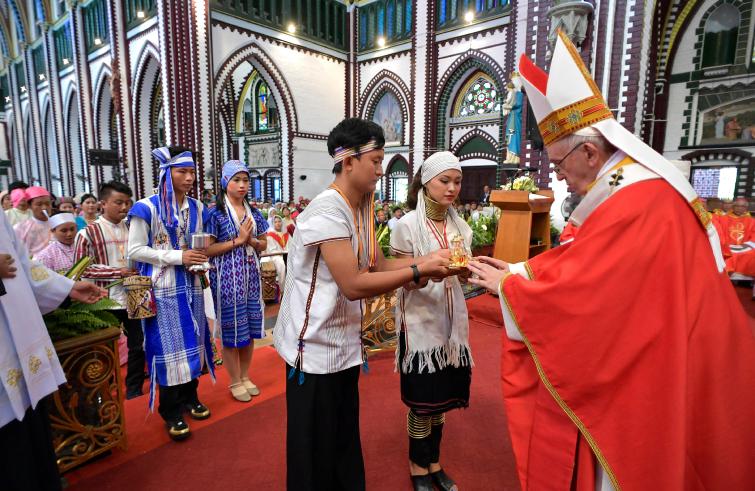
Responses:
[177,340]
[236,281]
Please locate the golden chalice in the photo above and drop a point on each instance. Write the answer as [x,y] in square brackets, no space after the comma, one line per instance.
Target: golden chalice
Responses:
[459,256]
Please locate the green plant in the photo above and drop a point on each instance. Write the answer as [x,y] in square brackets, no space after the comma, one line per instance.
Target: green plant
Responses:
[483,230]
[79,319]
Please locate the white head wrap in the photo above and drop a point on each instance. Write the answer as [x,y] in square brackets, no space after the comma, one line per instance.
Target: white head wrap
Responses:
[60,219]
[435,164]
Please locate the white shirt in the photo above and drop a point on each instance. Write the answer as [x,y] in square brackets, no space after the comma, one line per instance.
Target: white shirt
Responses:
[313,307]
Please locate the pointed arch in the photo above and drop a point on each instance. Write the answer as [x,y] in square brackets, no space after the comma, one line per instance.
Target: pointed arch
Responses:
[476,133]
[77,171]
[226,101]
[449,85]
[53,161]
[145,83]
[387,82]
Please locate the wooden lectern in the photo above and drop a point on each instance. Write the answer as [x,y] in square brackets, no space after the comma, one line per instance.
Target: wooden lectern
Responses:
[524,229]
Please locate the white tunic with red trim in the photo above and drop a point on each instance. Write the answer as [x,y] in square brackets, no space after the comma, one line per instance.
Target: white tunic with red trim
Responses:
[435,317]
[318,328]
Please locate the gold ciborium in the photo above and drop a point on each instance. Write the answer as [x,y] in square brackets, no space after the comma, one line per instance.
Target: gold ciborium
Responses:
[459,256]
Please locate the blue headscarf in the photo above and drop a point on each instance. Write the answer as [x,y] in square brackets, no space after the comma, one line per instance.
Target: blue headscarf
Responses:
[230,169]
[167,206]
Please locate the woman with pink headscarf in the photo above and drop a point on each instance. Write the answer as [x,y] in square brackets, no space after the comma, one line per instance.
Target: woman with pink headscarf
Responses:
[20,211]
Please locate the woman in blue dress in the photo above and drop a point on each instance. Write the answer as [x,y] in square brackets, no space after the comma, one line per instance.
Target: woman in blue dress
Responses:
[239,237]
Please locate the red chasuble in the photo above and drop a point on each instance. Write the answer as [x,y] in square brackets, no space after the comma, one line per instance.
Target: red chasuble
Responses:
[636,354]
[736,230]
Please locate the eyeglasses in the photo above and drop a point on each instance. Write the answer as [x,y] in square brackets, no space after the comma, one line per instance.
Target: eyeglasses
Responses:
[557,163]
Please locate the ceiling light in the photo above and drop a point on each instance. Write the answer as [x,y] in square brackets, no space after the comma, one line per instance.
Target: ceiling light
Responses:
[381,41]
[23,88]
[469,16]
[7,98]
[66,61]
[97,41]
[140,14]
[41,76]
[291,28]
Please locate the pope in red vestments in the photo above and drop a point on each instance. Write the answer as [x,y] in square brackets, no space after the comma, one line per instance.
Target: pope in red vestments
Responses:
[628,361]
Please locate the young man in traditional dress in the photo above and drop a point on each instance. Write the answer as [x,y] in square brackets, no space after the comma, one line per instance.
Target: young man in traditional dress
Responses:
[106,241]
[29,366]
[35,232]
[59,255]
[177,339]
[335,262]
[627,360]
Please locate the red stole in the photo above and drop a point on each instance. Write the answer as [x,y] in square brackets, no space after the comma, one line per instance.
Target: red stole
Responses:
[281,239]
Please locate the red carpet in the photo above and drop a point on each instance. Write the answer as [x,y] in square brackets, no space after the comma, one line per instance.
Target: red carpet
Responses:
[243,446]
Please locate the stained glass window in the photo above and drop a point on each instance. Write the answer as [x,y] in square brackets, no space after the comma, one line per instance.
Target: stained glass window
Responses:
[408,17]
[481,97]
[262,96]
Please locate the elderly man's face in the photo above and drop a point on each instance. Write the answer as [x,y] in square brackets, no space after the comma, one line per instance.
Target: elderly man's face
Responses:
[740,206]
[578,165]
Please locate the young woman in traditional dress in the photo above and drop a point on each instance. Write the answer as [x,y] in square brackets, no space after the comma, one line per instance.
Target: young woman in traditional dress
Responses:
[88,211]
[277,243]
[433,359]
[239,232]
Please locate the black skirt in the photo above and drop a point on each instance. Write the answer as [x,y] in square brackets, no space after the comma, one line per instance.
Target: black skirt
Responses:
[428,394]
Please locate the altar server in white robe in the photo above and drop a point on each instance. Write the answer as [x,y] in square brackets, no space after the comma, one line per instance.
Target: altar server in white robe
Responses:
[29,366]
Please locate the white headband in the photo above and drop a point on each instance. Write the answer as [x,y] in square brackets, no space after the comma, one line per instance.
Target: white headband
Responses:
[437,163]
[60,219]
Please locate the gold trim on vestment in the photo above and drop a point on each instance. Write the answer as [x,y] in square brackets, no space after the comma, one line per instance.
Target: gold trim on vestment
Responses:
[544,378]
[528,268]
[568,119]
[701,211]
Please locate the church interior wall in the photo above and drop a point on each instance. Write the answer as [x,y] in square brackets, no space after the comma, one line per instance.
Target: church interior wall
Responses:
[398,64]
[311,160]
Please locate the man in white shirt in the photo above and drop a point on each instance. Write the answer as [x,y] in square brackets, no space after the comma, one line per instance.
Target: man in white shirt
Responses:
[397,214]
[29,367]
[335,262]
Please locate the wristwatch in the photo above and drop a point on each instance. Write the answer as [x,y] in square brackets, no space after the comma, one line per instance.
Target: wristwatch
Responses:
[415,274]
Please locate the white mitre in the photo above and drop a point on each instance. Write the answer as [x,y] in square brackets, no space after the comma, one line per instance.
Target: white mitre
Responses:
[567,101]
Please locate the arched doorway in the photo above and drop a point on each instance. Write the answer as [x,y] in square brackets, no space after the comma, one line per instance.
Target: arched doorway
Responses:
[257,130]
[397,180]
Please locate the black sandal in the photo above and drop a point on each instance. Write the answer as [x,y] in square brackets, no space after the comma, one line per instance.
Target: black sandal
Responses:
[443,481]
[422,483]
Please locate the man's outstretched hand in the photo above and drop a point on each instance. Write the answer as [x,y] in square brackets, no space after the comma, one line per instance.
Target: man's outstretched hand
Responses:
[86,292]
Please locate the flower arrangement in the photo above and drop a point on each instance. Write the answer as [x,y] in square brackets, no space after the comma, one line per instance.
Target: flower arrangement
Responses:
[483,230]
[521,183]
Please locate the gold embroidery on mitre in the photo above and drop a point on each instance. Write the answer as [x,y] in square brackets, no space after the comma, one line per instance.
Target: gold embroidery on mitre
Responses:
[573,117]
[49,352]
[702,213]
[34,364]
[14,375]
[39,273]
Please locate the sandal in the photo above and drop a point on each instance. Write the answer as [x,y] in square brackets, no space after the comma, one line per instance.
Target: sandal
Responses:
[250,387]
[443,481]
[239,392]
